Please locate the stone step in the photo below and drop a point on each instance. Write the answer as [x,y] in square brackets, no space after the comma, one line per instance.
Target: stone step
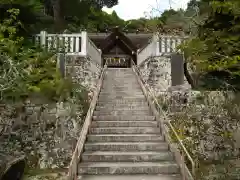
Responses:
[126,77]
[124,130]
[123,102]
[119,74]
[131,177]
[122,83]
[126,87]
[122,99]
[123,118]
[128,168]
[120,70]
[117,156]
[124,124]
[124,138]
[126,146]
[121,88]
[129,99]
[121,79]
[116,97]
[118,81]
[121,108]
[113,93]
[112,76]
[119,85]
[122,93]
[122,112]
[126,100]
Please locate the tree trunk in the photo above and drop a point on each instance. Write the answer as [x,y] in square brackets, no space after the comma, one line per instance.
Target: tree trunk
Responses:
[58,15]
[188,75]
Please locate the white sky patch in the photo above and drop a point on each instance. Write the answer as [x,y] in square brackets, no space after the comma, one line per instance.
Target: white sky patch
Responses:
[134,9]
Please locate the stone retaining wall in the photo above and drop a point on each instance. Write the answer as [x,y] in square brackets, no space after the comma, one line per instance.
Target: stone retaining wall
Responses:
[157,73]
[83,71]
[205,117]
[47,132]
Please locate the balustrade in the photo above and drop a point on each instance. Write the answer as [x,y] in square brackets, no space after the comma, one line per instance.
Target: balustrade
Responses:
[158,46]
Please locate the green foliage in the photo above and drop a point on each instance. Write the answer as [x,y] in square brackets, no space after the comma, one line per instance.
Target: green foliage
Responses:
[73,12]
[30,14]
[75,15]
[215,50]
[26,70]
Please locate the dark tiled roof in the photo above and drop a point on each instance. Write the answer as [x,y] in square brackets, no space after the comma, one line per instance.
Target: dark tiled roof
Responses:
[139,40]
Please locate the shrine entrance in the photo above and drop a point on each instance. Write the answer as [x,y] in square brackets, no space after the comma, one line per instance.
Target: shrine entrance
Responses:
[118,61]
[118,51]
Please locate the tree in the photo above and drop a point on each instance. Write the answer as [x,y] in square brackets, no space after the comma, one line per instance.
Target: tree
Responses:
[216,47]
[29,13]
[166,14]
[60,10]
[221,32]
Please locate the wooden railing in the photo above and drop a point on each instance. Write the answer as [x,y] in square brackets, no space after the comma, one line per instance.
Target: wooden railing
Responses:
[168,44]
[73,168]
[78,44]
[71,44]
[179,149]
[159,45]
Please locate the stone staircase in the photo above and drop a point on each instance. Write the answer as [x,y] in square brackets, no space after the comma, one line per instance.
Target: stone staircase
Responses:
[124,140]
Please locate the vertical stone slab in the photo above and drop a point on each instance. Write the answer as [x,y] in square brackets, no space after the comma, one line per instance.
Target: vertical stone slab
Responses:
[177,69]
[61,63]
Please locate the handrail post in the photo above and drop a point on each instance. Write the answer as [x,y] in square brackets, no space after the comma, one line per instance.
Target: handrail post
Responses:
[43,37]
[157,48]
[84,41]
